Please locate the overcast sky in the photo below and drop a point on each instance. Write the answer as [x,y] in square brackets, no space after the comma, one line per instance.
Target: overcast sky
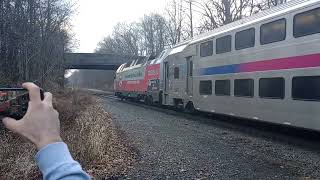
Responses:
[95,18]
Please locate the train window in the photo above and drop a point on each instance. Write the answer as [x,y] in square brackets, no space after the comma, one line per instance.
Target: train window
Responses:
[306,88]
[176,73]
[205,87]
[271,88]
[244,87]
[273,32]
[245,39]
[306,23]
[223,44]
[206,49]
[222,87]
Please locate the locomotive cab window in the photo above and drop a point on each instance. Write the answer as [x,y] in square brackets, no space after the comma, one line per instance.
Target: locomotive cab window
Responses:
[272,88]
[273,32]
[206,49]
[306,23]
[126,65]
[223,44]
[140,61]
[306,88]
[222,87]
[245,39]
[244,87]
[176,73]
[205,87]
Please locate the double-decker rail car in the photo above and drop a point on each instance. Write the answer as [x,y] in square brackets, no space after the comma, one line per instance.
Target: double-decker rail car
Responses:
[177,70]
[265,67]
[141,79]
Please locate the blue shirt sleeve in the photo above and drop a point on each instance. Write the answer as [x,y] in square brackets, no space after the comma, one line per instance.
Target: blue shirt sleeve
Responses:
[55,162]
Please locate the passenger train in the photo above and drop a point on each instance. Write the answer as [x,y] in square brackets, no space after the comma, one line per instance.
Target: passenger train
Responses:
[265,67]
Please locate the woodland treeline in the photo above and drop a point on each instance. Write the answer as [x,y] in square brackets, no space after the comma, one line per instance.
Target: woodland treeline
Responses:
[183,19]
[34,34]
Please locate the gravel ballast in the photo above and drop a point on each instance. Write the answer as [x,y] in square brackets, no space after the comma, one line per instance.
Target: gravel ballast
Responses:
[176,147]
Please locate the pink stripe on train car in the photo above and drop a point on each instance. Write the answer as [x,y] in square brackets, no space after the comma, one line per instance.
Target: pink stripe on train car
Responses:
[283,63]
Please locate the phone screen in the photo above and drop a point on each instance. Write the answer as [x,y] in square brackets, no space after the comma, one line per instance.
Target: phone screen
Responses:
[14,102]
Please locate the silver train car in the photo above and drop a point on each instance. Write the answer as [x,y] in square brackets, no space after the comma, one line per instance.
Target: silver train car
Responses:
[265,67]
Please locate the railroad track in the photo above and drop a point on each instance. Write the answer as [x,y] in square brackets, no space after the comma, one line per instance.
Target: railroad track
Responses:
[278,133]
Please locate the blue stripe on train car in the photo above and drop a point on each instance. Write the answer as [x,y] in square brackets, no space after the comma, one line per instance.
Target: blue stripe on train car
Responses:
[227,69]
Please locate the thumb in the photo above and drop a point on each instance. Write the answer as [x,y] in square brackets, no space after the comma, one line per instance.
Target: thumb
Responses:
[11,124]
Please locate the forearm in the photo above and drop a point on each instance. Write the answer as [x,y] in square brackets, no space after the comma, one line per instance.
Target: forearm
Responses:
[56,162]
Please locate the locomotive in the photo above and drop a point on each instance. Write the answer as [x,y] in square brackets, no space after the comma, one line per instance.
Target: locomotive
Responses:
[265,67]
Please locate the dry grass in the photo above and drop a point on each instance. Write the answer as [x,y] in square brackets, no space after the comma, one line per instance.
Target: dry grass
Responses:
[16,156]
[89,133]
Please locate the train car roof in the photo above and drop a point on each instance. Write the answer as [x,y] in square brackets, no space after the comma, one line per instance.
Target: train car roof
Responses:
[178,49]
[264,15]
[162,56]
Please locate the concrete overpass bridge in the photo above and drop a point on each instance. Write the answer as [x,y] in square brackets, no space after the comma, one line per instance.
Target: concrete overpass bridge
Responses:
[96,61]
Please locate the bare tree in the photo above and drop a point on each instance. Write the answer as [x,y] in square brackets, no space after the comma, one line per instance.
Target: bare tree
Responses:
[124,40]
[147,37]
[175,18]
[191,18]
[153,33]
[267,4]
[221,12]
[33,39]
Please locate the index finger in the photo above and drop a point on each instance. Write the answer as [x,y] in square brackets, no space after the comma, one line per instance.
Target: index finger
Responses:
[34,91]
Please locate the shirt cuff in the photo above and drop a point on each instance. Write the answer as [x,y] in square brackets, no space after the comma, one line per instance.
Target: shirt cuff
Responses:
[53,154]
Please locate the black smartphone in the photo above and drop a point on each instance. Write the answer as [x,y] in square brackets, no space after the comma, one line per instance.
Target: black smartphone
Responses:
[14,102]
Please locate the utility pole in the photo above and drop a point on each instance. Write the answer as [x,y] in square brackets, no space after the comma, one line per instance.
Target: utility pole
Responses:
[191,19]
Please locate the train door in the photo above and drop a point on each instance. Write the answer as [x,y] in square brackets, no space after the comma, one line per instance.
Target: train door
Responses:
[166,82]
[189,79]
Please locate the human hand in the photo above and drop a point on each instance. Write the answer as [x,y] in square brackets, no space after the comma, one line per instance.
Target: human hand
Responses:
[41,123]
